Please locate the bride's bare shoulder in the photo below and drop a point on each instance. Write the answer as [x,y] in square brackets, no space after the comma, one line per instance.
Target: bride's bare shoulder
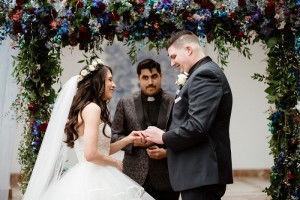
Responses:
[91,108]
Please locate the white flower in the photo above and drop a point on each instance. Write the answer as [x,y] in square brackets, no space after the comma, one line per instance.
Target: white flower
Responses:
[128,4]
[100,62]
[92,68]
[79,78]
[182,78]
[94,63]
[84,72]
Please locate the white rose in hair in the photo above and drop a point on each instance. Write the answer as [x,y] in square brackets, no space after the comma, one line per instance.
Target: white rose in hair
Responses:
[79,78]
[100,62]
[84,72]
[92,68]
[94,63]
[182,78]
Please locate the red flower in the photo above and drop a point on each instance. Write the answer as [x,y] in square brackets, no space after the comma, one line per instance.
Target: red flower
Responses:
[290,176]
[82,28]
[53,24]
[20,2]
[270,8]
[114,16]
[206,4]
[98,10]
[293,143]
[43,126]
[10,16]
[32,107]
[79,4]
[240,34]
[233,15]
[126,34]
[210,6]
[18,15]
[203,3]
[108,32]
[242,3]
[102,6]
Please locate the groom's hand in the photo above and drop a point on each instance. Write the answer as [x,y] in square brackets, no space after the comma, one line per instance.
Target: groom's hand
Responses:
[154,134]
[141,142]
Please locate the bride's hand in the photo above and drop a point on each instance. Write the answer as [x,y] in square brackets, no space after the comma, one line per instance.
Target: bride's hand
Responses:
[136,136]
[119,165]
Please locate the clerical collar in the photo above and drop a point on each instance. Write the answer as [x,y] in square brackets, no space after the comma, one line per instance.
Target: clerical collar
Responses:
[150,98]
[156,97]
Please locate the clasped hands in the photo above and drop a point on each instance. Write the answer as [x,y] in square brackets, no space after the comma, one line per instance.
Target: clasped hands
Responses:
[148,138]
[151,135]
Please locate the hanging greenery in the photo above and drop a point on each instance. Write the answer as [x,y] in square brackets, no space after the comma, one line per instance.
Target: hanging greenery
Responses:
[40,28]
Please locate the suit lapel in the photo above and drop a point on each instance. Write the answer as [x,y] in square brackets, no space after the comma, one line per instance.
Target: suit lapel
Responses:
[139,109]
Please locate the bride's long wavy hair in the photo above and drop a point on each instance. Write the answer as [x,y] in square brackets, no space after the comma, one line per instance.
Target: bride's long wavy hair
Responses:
[90,89]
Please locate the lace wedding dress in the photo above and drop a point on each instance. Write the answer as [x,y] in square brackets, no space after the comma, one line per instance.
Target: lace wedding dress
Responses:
[88,181]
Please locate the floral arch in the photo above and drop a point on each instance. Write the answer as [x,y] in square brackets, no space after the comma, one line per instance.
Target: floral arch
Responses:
[40,28]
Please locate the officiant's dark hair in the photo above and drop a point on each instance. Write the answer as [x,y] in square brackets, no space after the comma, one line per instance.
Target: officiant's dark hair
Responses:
[148,64]
[90,89]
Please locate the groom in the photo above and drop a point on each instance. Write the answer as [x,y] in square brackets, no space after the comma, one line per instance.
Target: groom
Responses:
[197,136]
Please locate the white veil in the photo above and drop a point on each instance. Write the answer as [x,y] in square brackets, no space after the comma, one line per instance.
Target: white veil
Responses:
[52,154]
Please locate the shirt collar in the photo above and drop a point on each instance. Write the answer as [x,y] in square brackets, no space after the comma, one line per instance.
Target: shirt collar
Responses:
[156,97]
[202,61]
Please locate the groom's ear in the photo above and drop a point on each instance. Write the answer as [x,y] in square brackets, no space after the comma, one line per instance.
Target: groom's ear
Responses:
[189,50]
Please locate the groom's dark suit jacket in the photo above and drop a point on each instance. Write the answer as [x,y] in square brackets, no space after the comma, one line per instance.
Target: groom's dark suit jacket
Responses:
[136,163]
[198,130]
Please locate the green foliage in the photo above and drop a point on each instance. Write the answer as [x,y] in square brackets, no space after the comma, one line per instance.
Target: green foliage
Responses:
[36,70]
[224,40]
[283,92]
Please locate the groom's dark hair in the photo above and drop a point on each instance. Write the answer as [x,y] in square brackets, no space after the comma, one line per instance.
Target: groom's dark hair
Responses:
[148,64]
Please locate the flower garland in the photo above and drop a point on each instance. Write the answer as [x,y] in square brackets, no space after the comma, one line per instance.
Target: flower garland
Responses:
[40,28]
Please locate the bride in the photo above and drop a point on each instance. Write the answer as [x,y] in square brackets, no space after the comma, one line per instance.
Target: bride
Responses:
[80,119]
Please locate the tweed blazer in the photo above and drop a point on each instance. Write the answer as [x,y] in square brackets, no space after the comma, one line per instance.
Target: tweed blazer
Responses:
[136,163]
[198,130]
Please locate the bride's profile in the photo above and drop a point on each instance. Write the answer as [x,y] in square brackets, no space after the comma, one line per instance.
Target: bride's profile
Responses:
[80,120]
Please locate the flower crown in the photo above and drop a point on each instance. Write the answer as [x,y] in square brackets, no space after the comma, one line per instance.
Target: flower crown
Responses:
[96,64]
